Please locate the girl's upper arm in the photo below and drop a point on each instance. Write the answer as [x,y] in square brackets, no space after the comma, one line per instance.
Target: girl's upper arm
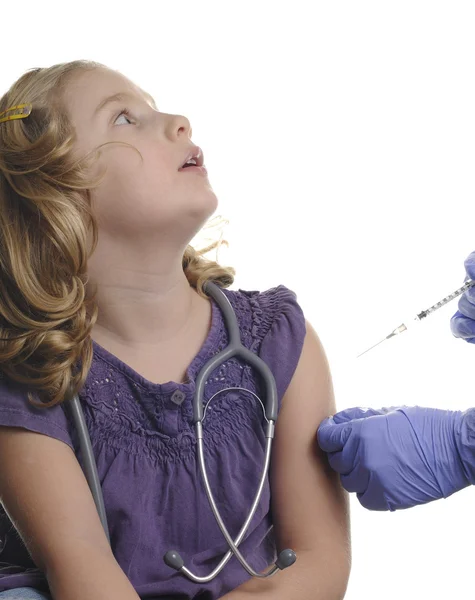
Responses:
[310,508]
[47,498]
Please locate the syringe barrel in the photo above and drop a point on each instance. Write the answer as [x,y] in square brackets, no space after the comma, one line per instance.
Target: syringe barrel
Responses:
[447,299]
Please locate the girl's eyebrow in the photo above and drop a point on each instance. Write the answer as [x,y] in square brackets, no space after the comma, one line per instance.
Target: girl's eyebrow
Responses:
[121,97]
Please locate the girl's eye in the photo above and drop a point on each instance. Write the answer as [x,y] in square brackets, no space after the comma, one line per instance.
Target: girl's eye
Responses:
[125,114]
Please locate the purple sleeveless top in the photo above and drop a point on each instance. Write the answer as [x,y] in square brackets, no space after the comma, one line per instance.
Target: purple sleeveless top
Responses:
[144,445]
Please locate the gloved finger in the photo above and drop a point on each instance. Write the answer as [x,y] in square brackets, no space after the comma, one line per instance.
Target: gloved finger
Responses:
[462,327]
[467,305]
[356,481]
[374,496]
[332,437]
[469,264]
[470,293]
[355,413]
[342,462]
[390,409]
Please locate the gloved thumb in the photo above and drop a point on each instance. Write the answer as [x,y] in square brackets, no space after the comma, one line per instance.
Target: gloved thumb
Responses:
[469,265]
[331,436]
[461,326]
[355,413]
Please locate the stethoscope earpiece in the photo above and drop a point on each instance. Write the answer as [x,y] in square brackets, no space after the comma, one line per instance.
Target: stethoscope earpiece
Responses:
[173,560]
[286,559]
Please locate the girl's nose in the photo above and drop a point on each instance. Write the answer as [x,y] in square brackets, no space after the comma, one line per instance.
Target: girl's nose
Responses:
[178,126]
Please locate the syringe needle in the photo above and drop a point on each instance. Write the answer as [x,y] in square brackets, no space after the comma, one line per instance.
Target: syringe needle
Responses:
[371,347]
[399,329]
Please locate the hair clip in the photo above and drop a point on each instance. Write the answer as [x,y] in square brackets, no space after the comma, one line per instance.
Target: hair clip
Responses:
[21,111]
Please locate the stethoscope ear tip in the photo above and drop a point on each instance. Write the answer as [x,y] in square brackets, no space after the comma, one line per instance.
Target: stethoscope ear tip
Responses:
[173,560]
[285,559]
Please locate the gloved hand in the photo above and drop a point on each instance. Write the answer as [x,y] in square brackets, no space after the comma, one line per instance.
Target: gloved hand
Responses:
[462,324]
[400,457]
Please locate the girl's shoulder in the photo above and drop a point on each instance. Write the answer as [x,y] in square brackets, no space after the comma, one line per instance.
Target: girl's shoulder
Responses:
[273,325]
[266,310]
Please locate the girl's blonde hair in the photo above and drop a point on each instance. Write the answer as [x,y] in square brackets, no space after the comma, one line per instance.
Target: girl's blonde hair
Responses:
[45,221]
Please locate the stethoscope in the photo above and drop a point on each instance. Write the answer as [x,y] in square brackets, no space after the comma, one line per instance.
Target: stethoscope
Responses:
[235,348]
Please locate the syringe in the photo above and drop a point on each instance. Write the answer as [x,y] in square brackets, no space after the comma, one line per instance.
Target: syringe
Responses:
[425,313]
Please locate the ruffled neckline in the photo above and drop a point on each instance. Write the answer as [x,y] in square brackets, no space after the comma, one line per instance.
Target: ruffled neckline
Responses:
[196,364]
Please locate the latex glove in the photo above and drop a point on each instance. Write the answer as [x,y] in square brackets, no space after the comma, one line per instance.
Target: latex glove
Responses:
[400,457]
[462,324]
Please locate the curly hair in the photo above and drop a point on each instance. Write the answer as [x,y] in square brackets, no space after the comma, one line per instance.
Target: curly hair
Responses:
[46,220]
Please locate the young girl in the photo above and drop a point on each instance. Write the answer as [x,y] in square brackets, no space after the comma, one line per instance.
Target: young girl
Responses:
[101,294]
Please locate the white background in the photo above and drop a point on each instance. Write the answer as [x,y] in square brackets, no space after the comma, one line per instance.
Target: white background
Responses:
[340,139]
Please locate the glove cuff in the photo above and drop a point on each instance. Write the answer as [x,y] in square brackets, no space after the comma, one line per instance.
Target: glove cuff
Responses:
[465,441]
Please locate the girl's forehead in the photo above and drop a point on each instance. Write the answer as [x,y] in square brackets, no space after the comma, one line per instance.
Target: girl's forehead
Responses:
[99,80]
[85,91]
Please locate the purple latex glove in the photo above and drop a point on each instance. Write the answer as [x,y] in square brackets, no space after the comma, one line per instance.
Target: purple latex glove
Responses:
[400,457]
[462,323]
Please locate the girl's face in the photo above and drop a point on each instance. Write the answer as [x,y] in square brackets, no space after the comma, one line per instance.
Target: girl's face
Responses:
[138,197]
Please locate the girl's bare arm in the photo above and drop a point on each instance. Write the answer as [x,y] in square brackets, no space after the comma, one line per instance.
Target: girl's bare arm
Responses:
[310,508]
[46,496]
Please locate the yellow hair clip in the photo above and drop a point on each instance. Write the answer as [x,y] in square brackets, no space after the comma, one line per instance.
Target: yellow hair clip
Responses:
[21,111]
